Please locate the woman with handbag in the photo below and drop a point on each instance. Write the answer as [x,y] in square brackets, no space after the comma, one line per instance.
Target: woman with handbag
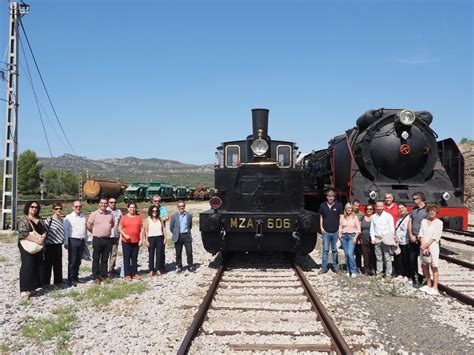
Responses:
[402,260]
[430,234]
[31,236]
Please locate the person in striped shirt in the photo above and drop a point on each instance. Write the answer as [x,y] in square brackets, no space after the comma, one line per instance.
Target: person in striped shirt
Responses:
[53,254]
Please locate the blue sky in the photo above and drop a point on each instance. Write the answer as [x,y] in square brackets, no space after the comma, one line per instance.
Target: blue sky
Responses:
[173,79]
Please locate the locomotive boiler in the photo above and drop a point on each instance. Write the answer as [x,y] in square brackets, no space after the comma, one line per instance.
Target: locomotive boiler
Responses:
[389,150]
[258,197]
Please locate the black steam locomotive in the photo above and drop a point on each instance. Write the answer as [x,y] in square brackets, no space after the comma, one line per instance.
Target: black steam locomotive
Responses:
[259,197]
[389,151]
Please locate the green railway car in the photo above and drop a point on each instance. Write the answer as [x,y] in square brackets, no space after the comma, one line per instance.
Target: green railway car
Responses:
[180,192]
[190,192]
[135,192]
[165,191]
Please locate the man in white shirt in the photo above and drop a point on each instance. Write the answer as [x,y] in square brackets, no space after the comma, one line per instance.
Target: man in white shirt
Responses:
[75,236]
[382,228]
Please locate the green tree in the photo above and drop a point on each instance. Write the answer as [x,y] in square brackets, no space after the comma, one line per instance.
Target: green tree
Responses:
[465,140]
[71,183]
[28,173]
[53,183]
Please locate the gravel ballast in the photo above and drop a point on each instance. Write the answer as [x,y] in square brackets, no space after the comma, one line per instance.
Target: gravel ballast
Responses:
[376,315]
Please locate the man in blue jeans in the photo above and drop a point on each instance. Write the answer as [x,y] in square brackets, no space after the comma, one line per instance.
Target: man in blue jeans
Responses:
[329,213]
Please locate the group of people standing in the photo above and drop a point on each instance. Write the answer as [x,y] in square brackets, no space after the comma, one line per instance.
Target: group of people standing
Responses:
[383,231]
[108,227]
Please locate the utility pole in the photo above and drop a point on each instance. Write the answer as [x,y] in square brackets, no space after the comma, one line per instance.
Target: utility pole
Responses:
[81,183]
[10,155]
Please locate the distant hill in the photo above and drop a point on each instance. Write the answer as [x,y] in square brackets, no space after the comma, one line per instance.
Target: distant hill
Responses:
[131,169]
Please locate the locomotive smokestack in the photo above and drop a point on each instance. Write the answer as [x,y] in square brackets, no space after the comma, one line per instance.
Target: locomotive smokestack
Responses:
[260,122]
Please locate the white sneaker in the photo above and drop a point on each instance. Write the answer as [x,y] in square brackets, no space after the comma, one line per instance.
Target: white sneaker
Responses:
[348,274]
[353,275]
[424,288]
[432,291]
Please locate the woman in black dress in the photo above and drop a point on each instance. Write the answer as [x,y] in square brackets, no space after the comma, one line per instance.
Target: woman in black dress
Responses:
[31,269]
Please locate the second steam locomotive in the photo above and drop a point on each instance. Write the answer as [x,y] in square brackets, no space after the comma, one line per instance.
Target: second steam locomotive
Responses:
[259,197]
[389,150]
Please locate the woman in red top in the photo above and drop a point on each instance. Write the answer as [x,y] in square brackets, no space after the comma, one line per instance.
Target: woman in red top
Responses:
[131,227]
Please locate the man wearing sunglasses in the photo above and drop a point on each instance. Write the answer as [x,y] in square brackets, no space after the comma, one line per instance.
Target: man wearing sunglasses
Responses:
[115,236]
[418,214]
[75,236]
[100,224]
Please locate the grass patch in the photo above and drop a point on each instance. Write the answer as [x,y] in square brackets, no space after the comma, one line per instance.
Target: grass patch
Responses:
[3,259]
[9,237]
[75,295]
[9,347]
[85,268]
[380,287]
[57,294]
[99,295]
[57,326]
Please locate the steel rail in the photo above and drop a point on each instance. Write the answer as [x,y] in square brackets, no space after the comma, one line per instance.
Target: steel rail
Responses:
[456,261]
[456,294]
[462,232]
[341,346]
[453,293]
[460,241]
[201,313]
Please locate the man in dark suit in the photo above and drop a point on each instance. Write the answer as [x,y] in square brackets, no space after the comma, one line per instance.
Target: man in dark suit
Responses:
[180,226]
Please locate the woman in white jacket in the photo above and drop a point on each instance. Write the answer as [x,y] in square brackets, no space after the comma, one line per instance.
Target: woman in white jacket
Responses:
[430,233]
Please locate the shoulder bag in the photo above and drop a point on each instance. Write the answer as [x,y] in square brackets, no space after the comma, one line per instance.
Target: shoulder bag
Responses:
[29,246]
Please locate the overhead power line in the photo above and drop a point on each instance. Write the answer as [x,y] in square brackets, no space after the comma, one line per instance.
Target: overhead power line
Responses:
[30,79]
[45,89]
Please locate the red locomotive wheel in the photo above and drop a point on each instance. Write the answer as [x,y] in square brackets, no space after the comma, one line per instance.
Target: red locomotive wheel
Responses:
[405,149]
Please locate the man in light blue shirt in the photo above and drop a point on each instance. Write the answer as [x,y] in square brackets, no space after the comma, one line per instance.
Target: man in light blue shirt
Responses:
[180,226]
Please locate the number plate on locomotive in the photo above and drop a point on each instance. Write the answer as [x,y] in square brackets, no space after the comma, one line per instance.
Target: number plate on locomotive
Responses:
[279,224]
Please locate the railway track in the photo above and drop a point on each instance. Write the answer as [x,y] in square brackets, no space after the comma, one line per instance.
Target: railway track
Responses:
[456,278]
[467,233]
[456,236]
[262,308]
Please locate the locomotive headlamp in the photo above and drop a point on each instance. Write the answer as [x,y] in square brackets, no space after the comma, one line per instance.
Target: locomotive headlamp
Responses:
[373,195]
[406,117]
[259,147]
[446,196]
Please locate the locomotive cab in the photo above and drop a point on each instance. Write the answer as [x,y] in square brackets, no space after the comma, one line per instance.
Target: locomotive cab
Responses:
[260,194]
